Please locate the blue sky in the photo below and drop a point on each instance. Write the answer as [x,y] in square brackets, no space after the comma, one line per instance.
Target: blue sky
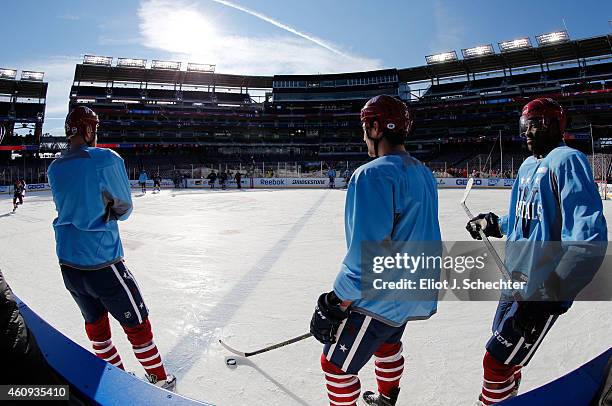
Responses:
[266,36]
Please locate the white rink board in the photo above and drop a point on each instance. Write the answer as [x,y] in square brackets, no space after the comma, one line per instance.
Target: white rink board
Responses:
[165,183]
[271,183]
[498,183]
[290,183]
[204,183]
[30,187]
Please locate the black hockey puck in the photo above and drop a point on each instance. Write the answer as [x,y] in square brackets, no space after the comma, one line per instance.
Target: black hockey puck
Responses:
[231,363]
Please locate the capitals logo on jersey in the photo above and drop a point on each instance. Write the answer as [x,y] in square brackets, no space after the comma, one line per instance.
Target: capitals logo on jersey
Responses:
[529,203]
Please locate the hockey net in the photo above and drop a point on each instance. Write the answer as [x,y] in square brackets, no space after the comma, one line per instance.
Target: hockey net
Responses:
[605,190]
[603,165]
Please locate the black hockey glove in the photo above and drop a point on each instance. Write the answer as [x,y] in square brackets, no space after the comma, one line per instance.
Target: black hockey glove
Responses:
[487,222]
[327,317]
[110,214]
[531,317]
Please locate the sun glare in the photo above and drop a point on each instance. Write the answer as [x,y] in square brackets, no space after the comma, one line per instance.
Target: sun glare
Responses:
[185,31]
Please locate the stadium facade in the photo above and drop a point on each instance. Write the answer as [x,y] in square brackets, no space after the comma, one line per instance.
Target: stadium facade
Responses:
[162,116]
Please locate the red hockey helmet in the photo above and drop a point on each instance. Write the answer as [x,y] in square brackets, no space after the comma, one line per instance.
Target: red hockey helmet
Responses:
[391,113]
[78,119]
[542,110]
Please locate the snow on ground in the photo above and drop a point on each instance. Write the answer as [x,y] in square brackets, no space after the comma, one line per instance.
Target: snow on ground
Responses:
[247,266]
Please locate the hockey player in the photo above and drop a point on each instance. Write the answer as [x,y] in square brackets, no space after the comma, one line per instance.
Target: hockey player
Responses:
[238,179]
[156,182]
[24,187]
[393,197]
[18,194]
[222,179]
[212,177]
[91,192]
[142,180]
[331,174]
[554,198]
[347,177]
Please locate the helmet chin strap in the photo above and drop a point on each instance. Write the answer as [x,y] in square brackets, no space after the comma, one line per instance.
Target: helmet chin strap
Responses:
[375,141]
[92,140]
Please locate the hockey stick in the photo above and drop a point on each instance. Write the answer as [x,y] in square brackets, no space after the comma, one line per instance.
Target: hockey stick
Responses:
[500,264]
[266,349]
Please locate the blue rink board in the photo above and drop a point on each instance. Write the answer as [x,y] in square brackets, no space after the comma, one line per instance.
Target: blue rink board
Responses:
[577,388]
[98,380]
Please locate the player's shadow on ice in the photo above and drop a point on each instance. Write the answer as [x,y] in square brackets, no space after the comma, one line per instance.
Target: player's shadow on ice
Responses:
[10,213]
[240,362]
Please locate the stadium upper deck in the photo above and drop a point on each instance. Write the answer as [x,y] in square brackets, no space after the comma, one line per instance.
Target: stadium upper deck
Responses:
[306,117]
[22,110]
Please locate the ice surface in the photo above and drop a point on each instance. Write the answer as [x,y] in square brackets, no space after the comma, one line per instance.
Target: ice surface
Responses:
[247,266]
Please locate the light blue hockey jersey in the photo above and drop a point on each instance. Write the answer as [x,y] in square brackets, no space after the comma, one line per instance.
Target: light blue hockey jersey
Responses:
[91,191]
[143,177]
[394,198]
[553,199]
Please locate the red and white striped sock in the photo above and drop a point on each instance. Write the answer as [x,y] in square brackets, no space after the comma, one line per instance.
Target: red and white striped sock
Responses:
[99,334]
[500,381]
[389,366]
[342,389]
[145,349]
[107,351]
[151,361]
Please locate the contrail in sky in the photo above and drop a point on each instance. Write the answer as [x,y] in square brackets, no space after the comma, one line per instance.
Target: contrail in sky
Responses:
[280,25]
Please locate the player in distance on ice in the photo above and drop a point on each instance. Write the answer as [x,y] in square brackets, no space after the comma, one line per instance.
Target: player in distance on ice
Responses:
[379,206]
[142,181]
[554,198]
[157,182]
[212,178]
[18,193]
[91,192]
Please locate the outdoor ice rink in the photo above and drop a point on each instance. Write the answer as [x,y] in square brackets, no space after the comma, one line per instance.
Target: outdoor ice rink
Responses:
[247,267]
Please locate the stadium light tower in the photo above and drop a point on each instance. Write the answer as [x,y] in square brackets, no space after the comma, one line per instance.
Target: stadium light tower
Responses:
[478,51]
[515,44]
[132,63]
[441,58]
[200,67]
[556,37]
[97,60]
[31,75]
[165,65]
[8,73]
